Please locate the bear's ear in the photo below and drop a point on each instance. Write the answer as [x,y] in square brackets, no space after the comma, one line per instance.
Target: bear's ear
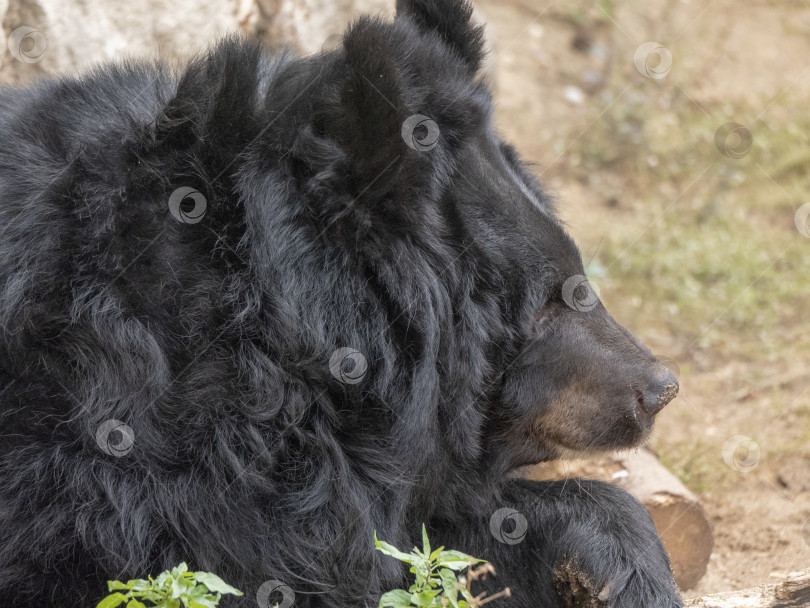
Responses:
[371,101]
[452,20]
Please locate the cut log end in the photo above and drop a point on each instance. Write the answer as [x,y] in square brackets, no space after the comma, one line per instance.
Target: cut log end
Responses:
[686,533]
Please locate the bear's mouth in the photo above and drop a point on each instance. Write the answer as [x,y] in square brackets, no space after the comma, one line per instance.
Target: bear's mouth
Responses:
[606,429]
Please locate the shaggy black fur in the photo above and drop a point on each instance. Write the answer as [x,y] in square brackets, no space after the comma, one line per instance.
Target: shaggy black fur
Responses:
[207,329]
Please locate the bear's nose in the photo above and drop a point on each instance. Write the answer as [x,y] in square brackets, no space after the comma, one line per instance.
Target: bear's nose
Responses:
[658,394]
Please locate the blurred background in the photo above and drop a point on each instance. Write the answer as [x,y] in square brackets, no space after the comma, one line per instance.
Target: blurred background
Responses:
[674,135]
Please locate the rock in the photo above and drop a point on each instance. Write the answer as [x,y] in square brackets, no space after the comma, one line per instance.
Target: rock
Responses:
[306,24]
[80,33]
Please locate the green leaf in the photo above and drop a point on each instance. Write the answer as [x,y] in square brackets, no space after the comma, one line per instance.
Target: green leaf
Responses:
[434,581]
[181,586]
[392,551]
[449,582]
[135,604]
[113,585]
[163,578]
[397,598]
[455,560]
[153,596]
[425,598]
[200,602]
[111,601]
[436,553]
[179,569]
[421,567]
[214,583]
[467,596]
[425,542]
[199,591]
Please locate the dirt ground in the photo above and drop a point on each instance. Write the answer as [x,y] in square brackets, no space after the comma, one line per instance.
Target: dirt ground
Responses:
[690,247]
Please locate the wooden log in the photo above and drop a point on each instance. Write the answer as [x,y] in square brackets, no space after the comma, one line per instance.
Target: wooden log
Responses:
[677,513]
[793,592]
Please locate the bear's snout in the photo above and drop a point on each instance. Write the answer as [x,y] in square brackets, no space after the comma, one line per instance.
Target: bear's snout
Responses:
[660,392]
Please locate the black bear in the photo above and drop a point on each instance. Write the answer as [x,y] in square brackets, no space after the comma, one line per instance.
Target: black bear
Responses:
[257,310]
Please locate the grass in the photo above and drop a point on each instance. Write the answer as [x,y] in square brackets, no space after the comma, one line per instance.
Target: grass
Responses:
[694,466]
[708,245]
[705,249]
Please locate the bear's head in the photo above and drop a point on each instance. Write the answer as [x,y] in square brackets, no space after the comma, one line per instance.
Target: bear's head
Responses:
[449,287]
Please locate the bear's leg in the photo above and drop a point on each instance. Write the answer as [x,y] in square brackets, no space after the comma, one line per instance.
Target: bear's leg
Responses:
[572,544]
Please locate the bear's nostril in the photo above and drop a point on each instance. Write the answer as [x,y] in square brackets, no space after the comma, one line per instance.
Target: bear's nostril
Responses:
[659,393]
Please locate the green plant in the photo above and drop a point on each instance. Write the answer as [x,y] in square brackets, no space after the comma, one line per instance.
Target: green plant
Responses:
[169,590]
[437,584]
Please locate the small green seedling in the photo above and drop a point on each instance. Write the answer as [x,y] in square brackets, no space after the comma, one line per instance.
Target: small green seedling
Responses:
[437,584]
[169,590]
